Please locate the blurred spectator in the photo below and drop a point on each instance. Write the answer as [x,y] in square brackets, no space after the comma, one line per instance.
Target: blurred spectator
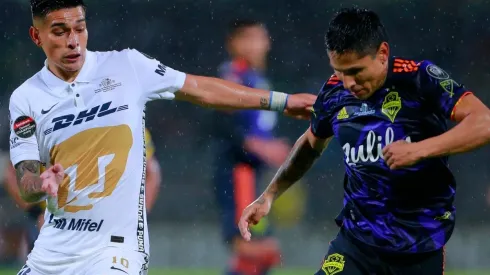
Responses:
[247,147]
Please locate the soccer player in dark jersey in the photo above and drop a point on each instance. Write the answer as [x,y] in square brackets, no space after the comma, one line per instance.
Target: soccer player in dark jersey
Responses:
[389,115]
[248,147]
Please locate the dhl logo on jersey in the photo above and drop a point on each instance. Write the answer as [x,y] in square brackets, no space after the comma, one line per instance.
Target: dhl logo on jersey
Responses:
[65,121]
[407,66]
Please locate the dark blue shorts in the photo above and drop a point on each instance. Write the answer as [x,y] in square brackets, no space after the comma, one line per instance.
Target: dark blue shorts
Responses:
[347,256]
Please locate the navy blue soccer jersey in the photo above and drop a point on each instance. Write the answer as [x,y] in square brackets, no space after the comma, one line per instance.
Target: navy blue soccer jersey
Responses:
[409,210]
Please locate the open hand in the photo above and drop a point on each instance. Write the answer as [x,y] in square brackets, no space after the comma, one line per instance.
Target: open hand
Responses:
[252,214]
[300,106]
[52,178]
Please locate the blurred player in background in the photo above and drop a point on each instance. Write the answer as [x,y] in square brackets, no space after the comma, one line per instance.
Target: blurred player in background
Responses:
[248,147]
[84,112]
[35,211]
[153,173]
[389,114]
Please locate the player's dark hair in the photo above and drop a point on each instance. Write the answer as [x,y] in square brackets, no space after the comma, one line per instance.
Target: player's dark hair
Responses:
[355,30]
[238,25]
[40,8]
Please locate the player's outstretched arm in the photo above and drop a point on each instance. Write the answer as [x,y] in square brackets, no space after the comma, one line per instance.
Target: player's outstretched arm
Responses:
[222,94]
[304,153]
[29,181]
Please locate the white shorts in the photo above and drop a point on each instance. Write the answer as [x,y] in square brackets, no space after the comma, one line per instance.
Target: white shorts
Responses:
[107,261]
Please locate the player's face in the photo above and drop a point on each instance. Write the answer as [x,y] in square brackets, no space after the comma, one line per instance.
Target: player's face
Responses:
[62,35]
[252,43]
[361,75]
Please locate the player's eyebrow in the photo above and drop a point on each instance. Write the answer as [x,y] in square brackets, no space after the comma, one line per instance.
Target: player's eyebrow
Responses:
[62,24]
[350,69]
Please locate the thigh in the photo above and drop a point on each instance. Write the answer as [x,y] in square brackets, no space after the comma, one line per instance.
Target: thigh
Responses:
[345,258]
[117,261]
[428,264]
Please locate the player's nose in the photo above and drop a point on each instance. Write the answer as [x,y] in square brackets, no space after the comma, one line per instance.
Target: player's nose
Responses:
[349,82]
[73,40]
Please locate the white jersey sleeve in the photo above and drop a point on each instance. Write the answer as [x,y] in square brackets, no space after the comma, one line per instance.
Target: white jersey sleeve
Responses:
[23,140]
[156,80]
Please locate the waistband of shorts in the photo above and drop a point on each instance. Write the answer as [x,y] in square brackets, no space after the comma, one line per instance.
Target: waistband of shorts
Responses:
[384,252]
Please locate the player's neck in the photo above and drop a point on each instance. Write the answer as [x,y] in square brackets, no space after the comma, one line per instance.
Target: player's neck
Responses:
[384,78]
[258,64]
[62,74]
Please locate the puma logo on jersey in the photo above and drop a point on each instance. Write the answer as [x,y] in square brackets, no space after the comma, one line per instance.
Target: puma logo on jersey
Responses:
[76,224]
[65,121]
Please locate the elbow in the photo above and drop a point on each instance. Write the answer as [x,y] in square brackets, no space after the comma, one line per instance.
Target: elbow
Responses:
[485,122]
[481,125]
[196,90]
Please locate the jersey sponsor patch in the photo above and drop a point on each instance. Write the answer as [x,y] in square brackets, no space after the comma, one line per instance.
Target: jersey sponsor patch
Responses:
[24,127]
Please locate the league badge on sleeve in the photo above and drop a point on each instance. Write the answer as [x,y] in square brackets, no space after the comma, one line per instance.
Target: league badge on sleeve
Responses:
[447,85]
[24,127]
[437,72]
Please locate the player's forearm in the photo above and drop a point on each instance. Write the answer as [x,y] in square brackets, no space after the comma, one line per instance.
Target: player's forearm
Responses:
[221,94]
[299,161]
[13,190]
[472,132]
[29,182]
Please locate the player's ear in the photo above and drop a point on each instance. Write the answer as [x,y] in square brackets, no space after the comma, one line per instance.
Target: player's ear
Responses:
[383,52]
[34,34]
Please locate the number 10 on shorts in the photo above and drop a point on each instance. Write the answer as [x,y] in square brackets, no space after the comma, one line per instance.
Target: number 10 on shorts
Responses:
[123,261]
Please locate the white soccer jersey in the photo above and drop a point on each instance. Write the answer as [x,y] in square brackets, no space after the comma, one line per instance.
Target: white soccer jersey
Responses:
[93,127]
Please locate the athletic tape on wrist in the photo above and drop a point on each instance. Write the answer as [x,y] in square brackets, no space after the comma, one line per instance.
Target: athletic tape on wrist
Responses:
[278,101]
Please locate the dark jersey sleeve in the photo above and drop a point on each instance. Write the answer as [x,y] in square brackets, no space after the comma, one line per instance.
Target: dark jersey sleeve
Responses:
[439,89]
[324,108]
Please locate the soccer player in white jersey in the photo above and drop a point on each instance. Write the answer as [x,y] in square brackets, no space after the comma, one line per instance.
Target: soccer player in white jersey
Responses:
[81,120]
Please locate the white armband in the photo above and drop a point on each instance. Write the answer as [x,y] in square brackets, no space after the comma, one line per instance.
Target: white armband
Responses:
[278,101]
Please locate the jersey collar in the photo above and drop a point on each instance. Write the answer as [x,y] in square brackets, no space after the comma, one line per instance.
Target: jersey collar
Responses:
[85,75]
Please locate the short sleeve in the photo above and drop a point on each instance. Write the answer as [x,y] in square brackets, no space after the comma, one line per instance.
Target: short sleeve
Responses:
[23,140]
[440,90]
[156,80]
[323,109]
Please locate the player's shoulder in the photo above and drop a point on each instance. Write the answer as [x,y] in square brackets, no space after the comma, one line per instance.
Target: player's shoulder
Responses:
[408,67]
[128,54]
[104,56]
[332,88]
[419,74]
[26,92]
